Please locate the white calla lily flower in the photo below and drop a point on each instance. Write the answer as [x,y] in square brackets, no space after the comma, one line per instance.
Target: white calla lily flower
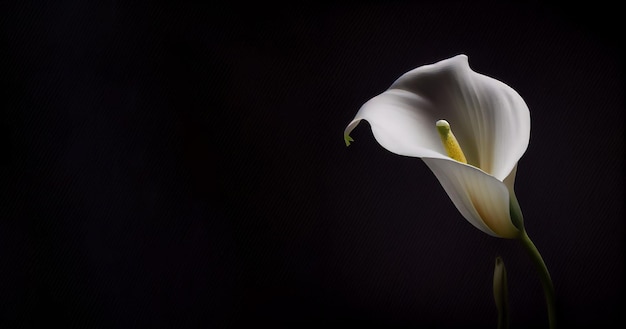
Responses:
[491,123]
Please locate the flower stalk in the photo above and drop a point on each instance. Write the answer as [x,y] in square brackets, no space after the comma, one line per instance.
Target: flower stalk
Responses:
[544,276]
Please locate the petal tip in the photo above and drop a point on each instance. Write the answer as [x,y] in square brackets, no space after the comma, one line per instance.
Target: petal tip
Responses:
[462,59]
[346,133]
[347,139]
[463,56]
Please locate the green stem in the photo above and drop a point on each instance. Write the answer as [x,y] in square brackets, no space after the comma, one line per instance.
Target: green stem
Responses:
[544,276]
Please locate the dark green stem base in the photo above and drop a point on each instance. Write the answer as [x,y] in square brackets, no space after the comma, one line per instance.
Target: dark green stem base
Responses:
[544,276]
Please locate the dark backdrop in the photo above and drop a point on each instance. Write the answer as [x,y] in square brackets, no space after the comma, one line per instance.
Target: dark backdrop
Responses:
[183,166]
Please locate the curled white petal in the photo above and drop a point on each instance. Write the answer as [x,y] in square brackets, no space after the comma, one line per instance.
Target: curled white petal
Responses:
[400,126]
[481,198]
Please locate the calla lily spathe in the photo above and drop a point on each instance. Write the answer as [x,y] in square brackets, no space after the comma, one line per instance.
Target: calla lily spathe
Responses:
[490,121]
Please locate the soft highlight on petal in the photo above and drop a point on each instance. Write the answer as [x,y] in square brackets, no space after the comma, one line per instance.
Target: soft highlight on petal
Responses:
[491,121]
[480,198]
[399,125]
[505,121]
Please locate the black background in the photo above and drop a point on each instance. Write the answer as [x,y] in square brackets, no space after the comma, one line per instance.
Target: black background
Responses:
[183,166]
